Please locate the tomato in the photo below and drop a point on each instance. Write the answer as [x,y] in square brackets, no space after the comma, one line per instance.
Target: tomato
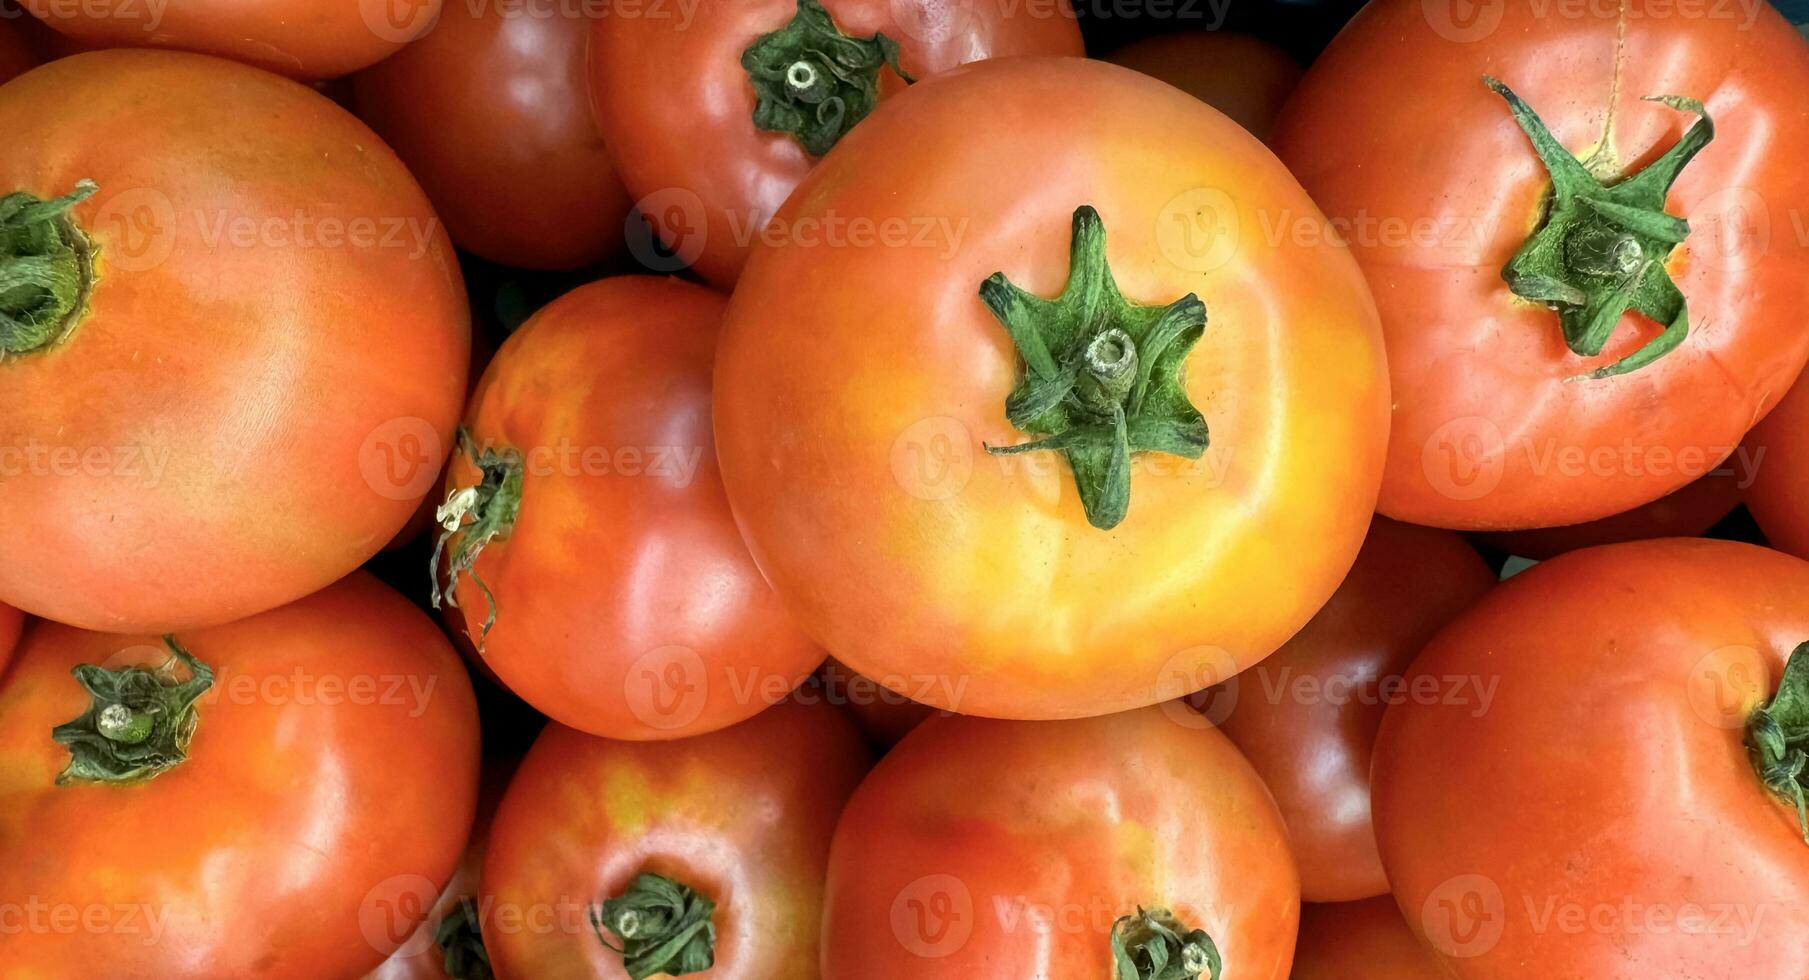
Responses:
[1779,496]
[1306,718]
[689,126]
[248,389]
[1602,814]
[12,623]
[1365,940]
[884,715]
[983,848]
[1242,76]
[491,111]
[593,557]
[278,797]
[865,465]
[1529,393]
[732,828]
[15,52]
[306,39]
[1686,513]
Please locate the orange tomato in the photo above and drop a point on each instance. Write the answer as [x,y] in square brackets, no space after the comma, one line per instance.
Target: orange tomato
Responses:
[678,107]
[305,39]
[248,387]
[1365,940]
[490,110]
[1603,814]
[1529,392]
[860,461]
[1779,496]
[734,821]
[1242,76]
[983,848]
[1306,718]
[303,832]
[594,560]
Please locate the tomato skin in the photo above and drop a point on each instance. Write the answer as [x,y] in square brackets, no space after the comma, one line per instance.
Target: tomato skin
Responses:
[1242,76]
[303,39]
[1608,774]
[1090,818]
[732,814]
[1311,745]
[305,811]
[676,106]
[986,574]
[1393,128]
[12,623]
[1779,496]
[236,382]
[1685,513]
[491,111]
[613,579]
[1366,940]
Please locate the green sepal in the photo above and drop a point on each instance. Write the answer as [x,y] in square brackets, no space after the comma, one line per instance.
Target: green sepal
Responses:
[1103,376]
[661,926]
[46,269]
[139,723]
[1777,737]
[1602,248]
[1154,945]
[461,942]
[814,83]
[473,517]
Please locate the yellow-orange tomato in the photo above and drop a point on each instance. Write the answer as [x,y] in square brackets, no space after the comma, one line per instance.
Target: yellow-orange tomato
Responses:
[305,39]
[249,386]
[739,819]
[301,827]
[1779,496]
[982,849]
[864,379]
[1367,940]
[1241,76]
[596,564]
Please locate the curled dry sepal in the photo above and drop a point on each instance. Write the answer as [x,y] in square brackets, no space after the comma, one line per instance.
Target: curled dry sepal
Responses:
[44,269]
[663,927]
[1602,248]
[1154,945]
[139,723]
[1103,379]
[461,942]
[813,82]
[1778,734]
[476,516]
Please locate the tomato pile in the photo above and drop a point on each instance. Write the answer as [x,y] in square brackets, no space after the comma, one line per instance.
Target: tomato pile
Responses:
[892,489]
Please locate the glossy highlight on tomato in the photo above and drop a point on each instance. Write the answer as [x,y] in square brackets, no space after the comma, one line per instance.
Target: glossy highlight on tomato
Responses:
[1605,816]
[741,819]
[306,39]
[863,463]
[591,554]
[490,109]
[1779,497]
[317,805]
[1516,403]
[244,353]
[982,848]
[677,106]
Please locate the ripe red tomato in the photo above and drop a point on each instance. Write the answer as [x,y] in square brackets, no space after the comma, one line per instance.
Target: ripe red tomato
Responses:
[1365,940]
[1306,718]
[866,468]
[491,112]
[983,848]
[245,390]
[306,39]
[1779,496]
[1528,392]
[728,832]
[592,527]
[1242,76]
[15,52]
[309,775]
[1687,513]
[12,623]
[703,142]
[1604,816]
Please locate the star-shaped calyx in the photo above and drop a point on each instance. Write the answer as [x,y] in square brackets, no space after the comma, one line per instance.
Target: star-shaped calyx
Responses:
[1602,248]
[1777,736]
[813,82]
[139,721]
[1103,375]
